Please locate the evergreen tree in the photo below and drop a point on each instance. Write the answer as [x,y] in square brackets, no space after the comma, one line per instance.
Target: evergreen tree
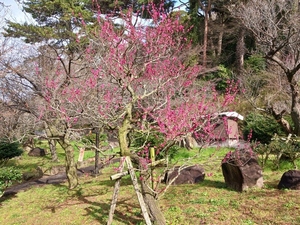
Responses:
[224,35]
[57,22]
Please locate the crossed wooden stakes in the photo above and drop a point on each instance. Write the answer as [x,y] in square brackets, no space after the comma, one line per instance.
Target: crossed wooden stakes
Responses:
[138,192]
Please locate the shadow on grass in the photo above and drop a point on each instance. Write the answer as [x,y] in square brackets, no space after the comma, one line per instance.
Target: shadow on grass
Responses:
[269,189]
[269,186]
[100,211]
[126,212]
[7,197]
[213,183]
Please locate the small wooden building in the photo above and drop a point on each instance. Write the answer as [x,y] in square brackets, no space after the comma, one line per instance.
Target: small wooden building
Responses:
[225,132]
[227,129]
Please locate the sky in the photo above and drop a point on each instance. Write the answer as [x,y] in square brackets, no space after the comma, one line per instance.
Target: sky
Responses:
[13,11]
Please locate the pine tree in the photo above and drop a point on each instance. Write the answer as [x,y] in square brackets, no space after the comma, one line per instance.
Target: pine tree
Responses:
[57,22]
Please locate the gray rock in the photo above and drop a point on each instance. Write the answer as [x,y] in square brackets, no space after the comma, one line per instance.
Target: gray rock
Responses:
[241,170]
[290,180]
[37,152]
[184,175]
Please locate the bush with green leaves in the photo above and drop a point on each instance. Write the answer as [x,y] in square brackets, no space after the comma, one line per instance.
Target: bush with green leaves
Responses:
[263,151]
[261,128]
[155,140]
[8,176]
[286,149]
[91,138]
[282,148]
[221,77]
[255,63]
[9,150]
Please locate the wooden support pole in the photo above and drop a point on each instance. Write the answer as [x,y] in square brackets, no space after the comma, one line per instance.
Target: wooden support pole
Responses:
[119,175]
[115,195]
[152,157]
[97,152]
[155,163]
[152,154]
[137,191]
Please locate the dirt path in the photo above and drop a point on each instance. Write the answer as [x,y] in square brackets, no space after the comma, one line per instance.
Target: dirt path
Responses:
[53,179]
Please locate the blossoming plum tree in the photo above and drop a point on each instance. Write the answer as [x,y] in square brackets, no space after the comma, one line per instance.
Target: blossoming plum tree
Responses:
[141,77]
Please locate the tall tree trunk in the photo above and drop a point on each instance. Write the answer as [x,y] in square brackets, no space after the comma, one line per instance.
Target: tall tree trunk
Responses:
[71,167]
[97,145]
[123,132]
[295,110]
[220,40]
[240,50]
[52,146]
[206,9]
[205,37]
[51,142]
[295,114]
[64,142]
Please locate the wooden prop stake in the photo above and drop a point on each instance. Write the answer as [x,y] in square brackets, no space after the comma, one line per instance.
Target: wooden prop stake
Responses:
[137,191]
[136,188]
[115,195]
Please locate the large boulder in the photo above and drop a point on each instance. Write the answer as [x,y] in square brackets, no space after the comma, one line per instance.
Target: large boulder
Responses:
[184,175]
[241,170]
[37,152]
[290,180]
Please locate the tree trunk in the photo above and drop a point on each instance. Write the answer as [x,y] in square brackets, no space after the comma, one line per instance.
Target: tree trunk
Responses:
[205,37]
[240,50]
[52,146]
[295,117]
[51,142]
[295,111]
[220,40]
[71,167]
[123,132]
[153,209]
[123,142]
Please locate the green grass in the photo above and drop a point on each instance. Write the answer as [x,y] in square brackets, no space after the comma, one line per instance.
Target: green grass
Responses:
[28,163]
[209,202]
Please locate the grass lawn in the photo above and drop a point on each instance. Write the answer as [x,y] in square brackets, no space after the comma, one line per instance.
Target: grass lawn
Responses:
[209,202]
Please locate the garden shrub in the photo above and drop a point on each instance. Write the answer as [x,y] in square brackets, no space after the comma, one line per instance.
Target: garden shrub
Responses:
[8,150]
[8,175]
[157,141]
[282,148]
[285,150]
[263,151]
[221,77]
[261,128]
[89,140]
[255,63]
